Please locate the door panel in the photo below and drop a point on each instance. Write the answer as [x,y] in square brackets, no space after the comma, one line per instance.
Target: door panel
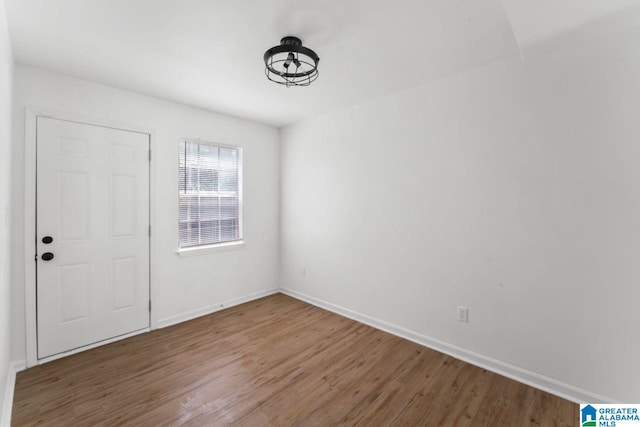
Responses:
[93,200]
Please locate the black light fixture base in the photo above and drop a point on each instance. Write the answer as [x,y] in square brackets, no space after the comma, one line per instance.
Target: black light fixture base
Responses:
[290,41]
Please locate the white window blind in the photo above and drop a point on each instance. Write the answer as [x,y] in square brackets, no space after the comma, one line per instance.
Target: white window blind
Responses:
[210,191]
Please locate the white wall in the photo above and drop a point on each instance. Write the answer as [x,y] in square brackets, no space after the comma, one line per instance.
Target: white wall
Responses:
[183,286]
[6,88]
[513,190]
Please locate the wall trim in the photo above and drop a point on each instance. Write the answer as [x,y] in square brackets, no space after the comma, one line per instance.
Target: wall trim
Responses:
[550,385]
[203,311]
[7,404]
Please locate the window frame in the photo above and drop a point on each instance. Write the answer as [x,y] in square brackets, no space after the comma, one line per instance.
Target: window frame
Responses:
[219,246]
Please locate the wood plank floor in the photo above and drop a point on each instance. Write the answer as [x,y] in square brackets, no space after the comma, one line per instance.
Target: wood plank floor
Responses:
[275,361]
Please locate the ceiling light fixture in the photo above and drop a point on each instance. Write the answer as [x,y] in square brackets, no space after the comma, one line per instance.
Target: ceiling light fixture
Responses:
[291,64]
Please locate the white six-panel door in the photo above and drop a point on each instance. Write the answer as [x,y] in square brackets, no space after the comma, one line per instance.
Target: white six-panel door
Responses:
[93,202]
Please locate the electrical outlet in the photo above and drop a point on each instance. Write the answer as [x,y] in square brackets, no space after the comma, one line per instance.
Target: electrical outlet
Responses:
[463,314]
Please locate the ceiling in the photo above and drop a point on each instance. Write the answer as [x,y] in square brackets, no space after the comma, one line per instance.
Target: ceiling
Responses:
[208,53]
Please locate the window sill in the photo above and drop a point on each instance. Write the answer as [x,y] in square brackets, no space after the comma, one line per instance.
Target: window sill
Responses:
[208,249]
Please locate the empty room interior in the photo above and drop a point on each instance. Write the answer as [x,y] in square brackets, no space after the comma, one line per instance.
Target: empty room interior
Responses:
[337,212]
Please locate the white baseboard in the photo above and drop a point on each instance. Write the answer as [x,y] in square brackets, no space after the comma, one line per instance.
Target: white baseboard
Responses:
[7,404]
[162,323]
[550,385]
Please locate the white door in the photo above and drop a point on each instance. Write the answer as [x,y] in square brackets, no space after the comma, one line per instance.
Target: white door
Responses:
[93,204]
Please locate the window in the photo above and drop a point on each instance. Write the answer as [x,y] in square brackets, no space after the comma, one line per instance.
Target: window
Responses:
[210,194]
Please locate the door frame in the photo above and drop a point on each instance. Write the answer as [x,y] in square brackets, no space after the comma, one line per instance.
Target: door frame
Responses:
[31,326]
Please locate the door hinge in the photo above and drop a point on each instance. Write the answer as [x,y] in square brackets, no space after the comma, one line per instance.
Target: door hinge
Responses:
[149,305]
[149,155]
[149,231]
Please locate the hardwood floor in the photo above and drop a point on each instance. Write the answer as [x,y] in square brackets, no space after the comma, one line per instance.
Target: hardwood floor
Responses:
[275,361]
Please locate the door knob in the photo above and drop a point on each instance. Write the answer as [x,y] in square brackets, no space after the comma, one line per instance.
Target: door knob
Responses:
[47,239]
[47,256]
